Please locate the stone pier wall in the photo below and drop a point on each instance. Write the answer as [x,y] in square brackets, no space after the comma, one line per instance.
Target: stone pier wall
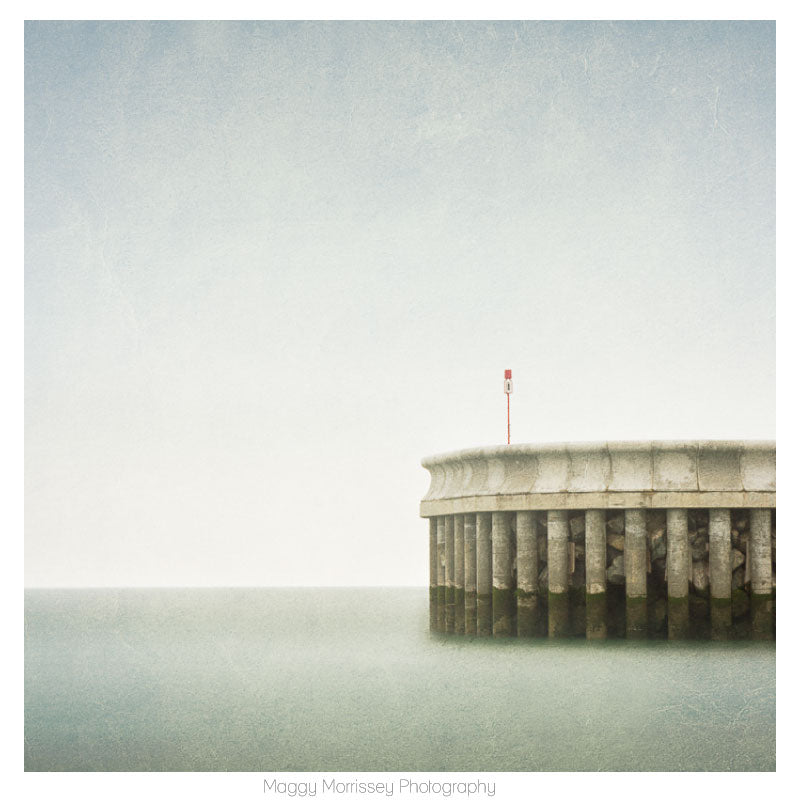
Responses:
[614,538]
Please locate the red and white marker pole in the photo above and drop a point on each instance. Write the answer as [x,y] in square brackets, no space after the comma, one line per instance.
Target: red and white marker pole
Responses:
[508,387]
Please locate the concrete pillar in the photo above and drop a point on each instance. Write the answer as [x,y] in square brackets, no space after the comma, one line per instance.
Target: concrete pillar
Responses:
[440,573]
[449,574]
[635,560]
[433,577]
[470,576]
[596,627]
[635,553]
[762,611]
[719,569]
[502,579]
[557,573]
[527,573]
[596,551]
[458,578]
[719,553]
[760,551]
[483,572]
[678,560]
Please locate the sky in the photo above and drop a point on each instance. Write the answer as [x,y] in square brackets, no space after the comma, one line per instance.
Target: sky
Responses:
[271,266]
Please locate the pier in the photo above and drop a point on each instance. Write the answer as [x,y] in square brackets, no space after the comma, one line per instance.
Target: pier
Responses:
[634,539]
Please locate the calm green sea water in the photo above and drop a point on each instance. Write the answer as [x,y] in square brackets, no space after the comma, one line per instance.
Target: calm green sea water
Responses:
[350,679]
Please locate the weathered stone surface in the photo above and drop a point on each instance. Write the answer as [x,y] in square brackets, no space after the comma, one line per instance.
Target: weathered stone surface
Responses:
[719,555]
[737,559]
[757,466]
[596,551]
[656,475]
[483,554]
[635,553]
[760,551]
[470,555]
[502,551]
[616,540]
[700,550]
[616,572]
[558,551]
[700,577]
[615,523]
[678,555]
[719,465]
[527,551]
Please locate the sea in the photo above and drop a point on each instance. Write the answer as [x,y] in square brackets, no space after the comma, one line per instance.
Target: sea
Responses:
[352,679]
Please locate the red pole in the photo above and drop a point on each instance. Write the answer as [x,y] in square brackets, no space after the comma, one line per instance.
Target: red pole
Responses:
[508,387]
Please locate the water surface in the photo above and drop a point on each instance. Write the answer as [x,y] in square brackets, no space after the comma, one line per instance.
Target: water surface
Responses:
[351,679]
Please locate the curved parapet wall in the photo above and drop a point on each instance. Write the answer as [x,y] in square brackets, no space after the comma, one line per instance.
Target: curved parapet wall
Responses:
[658,474]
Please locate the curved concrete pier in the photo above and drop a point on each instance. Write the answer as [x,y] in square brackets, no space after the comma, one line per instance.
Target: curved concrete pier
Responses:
[679,536]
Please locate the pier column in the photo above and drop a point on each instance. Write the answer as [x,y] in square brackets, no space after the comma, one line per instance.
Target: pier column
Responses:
[527,573]
[719,568]
[596,574]
[470,576]
[635,560]
[678,556]
[458,578]
[761,605]
[449,576]
[483,572]
[760,551]
[433,586]
[440,573]
[557,573]
[502,588]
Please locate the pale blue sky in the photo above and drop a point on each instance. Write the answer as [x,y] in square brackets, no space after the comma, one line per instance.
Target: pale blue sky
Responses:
[270,266]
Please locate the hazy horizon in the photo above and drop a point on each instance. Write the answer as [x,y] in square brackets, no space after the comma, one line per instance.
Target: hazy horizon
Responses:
[270,266]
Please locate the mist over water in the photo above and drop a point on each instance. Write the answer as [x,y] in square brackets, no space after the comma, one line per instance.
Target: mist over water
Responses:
[351,679]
